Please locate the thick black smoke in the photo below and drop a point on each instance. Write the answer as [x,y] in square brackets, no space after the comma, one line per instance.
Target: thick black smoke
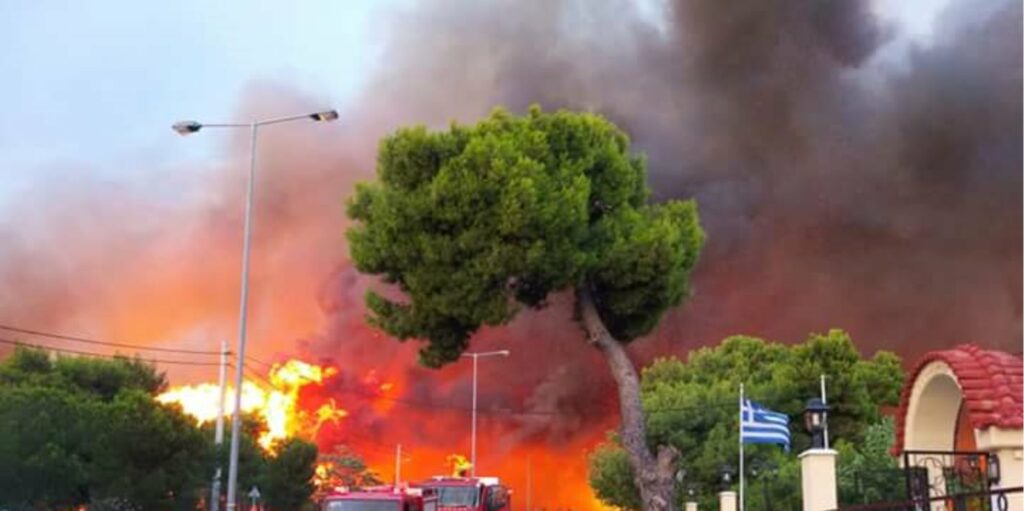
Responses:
[845,180]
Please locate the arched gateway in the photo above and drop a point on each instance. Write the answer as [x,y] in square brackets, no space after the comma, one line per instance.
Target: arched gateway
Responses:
[959,427]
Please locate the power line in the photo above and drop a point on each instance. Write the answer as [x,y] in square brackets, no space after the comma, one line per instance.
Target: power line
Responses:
[375,445]
[104,355]
[523,413]
[104,343]
[254,359]
[434,406]
[252,372]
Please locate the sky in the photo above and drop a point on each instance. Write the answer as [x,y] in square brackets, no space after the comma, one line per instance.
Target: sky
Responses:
[97,84]
[93,86]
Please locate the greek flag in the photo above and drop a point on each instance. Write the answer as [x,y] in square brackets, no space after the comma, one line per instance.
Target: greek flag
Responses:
[759,425]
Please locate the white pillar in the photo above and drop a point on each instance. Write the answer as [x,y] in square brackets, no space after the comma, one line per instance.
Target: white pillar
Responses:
[727,501]
[691,506]
[1008,445]
[472,455]
[818,478]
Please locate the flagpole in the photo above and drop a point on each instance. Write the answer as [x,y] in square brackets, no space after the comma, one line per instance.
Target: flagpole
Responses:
[824,402]
[741,447]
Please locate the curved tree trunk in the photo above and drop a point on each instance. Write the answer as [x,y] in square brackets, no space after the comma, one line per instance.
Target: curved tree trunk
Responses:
[653,475]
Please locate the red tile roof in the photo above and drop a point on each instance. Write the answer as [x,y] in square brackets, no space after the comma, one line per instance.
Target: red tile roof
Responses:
[992,383]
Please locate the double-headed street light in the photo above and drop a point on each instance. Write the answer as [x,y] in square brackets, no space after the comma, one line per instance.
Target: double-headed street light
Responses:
[187,128]
[475,357]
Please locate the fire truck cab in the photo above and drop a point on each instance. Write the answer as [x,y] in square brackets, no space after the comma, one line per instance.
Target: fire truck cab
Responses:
[470,493]
[381,498]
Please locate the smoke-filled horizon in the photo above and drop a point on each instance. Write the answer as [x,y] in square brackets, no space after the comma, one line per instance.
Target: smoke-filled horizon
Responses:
[844,181]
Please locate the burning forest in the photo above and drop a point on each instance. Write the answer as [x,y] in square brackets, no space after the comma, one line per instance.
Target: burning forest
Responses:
[848,176]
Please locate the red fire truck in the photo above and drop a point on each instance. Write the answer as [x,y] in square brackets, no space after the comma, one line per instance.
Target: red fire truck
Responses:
[381,498]
[470,493]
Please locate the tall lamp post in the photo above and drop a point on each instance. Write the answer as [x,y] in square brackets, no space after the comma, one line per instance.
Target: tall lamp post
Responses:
[475,357]
[187,128]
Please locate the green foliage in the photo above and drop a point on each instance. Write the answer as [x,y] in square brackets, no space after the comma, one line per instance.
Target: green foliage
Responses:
[475,222]
[284,477]
[148,454]
[693,406]
[343,467]
[44,446]
[867,472]
[77,431]
[611,476]
[288,478]
[98,377]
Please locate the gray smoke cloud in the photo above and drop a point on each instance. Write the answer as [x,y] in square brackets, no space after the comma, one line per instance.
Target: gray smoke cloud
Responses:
[846,178]
[840,186]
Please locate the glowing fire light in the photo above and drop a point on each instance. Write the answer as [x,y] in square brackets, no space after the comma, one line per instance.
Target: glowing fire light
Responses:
[321,475]
[329,412]
[460,465]
[302,399]
[277,406]
[200,401]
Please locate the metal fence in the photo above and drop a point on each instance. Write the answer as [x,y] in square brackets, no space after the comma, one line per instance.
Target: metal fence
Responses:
[943,473]
[993,500]
[930,481]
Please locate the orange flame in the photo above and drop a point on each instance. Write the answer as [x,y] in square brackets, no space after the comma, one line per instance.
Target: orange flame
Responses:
[322,475]
[277,405]
[329,412]
[460,465]
[301,399]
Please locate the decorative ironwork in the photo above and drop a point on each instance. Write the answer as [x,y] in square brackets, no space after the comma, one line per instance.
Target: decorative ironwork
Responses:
[946,481]
[998,497]
[949,475]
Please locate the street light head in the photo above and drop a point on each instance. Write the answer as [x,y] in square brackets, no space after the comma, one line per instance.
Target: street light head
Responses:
[186,127]
[327,116]
[504,353]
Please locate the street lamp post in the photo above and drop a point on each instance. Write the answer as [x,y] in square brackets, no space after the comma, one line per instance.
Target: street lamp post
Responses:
[187,128]
[475,357]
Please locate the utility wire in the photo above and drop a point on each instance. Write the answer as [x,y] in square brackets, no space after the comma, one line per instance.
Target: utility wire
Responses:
[253,373]
[407,402]
[524,413]
[352,440]
[254,359]
[104,343]
[103,355]
[433,407]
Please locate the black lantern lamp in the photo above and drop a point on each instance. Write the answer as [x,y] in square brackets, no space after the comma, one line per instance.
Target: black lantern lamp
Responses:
[727,476]
[815,419]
